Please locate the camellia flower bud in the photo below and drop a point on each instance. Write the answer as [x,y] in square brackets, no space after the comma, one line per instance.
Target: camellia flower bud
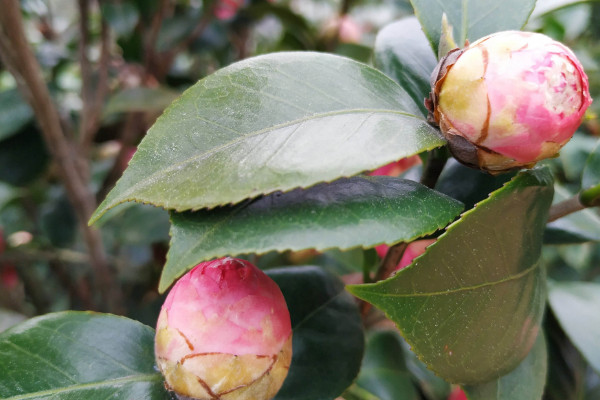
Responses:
[224,332]
[508,100]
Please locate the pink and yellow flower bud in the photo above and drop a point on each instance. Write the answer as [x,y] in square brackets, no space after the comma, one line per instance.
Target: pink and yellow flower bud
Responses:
[224,332]
[508,100]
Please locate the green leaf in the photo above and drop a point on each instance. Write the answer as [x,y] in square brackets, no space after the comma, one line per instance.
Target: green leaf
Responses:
[526,382]
[579,227]
[591,171]
[575,305]
[359,211]
[79,355]
[434,387]
[328,339]
[383,370]
[14,113]
[471,19]
[471,306]
[269,123]
[403,53]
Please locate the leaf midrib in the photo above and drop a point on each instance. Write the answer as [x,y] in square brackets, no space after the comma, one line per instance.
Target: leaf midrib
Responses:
[249,135]
[91,385]
[467,288]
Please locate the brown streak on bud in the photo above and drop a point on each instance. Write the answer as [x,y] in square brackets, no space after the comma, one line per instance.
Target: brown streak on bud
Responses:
[273,361]
[187,341]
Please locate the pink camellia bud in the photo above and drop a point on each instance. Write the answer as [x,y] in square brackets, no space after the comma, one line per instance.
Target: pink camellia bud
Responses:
[508,100]
[224,332]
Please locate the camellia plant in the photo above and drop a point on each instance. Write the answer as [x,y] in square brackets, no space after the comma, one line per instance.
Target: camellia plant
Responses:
[275,155]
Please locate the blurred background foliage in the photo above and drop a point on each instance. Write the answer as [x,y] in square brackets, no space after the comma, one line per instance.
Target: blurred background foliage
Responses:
[118,63]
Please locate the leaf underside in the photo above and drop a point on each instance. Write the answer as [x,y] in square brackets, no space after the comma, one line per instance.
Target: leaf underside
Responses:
[273,122]
[352,212]
[471,306]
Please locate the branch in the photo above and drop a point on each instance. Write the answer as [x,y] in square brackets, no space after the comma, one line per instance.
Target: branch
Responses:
[434,166]
[93,98]
[17,56]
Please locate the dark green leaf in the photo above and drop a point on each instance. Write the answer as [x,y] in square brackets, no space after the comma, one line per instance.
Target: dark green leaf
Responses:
[359,211]
[566,367]
[79,355]
[579,227]
[591,171]
[575,305]
[468,185]
[526,382]
[58,220]
[403,53]
[471,19]
[383,370]
[136,224]
[471,306]
[269,123]
[14,113]
[328,339]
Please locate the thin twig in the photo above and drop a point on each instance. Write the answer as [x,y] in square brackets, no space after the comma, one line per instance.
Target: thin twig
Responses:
[17,56]
[565,208]
[128,138]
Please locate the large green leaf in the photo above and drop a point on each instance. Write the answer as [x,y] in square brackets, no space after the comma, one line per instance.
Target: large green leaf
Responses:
[579,227]
[359,211]
[471,19]
[269,123]
[471,306]
[526,382]
[384,371]
[328,339]
[79,355]
[14,113]
[403,53]
[575,305]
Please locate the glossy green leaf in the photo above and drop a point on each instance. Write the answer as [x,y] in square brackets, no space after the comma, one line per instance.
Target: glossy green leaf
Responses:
[140,99]
[383,372]
[359,211]
[14,113]
[471,306]
[579,227]
[403,53]
[328,339]
[79,355]
[471,19]
[526,382]
[269,123]
[591,171]
[575,305]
